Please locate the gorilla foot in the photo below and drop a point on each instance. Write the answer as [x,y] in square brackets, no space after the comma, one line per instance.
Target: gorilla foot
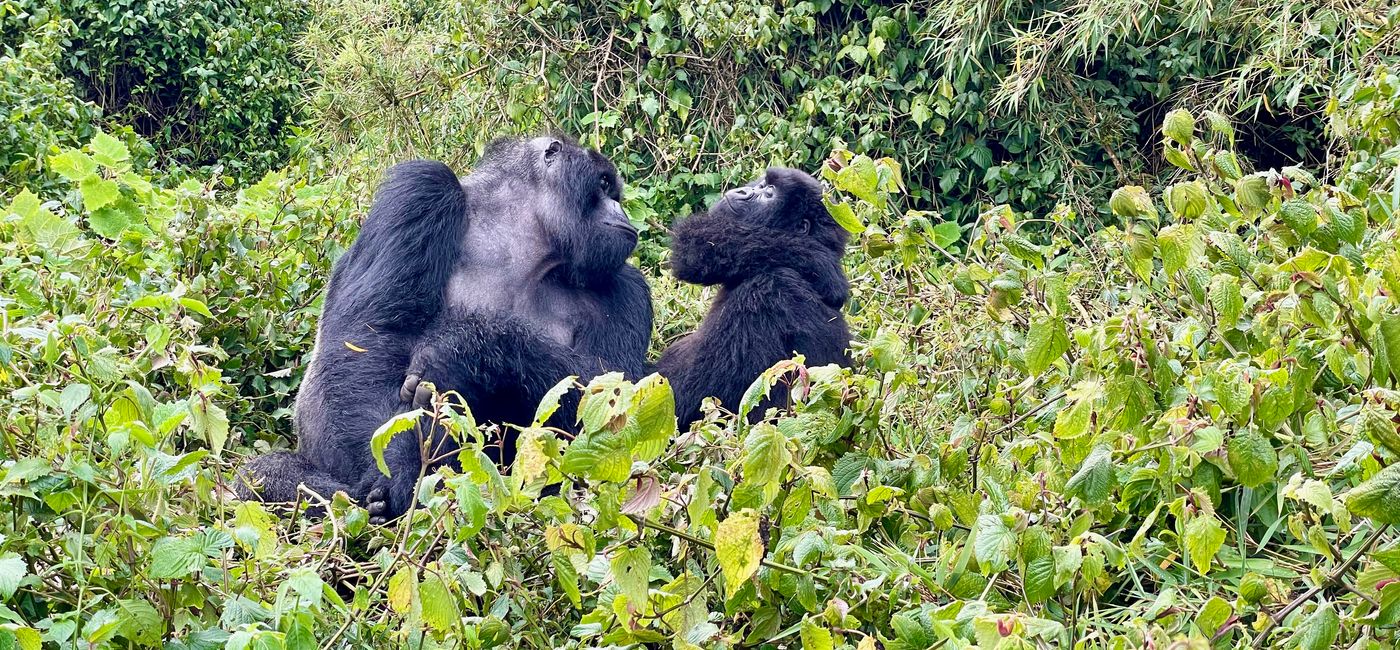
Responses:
[388,499]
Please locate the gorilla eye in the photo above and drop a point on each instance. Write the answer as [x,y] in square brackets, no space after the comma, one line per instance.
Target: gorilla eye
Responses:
[603,182]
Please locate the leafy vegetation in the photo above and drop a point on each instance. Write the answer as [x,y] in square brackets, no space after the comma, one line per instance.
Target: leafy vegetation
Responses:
[1176,428]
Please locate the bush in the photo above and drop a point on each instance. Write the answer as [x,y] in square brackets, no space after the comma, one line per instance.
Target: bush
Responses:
[1179,429]
[209,82]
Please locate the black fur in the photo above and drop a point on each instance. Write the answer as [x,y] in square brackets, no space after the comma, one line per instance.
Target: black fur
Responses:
[496,286]
[776,253]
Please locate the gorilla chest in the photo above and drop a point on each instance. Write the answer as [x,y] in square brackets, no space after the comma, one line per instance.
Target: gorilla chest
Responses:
[556,311]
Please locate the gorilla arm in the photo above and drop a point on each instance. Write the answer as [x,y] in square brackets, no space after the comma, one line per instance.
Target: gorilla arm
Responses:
[710,248]
[394,274]
[615,335]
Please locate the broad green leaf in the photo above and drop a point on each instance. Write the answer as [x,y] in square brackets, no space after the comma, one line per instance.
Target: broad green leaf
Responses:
[765,454]
[175,557]
[109,151]
[1387,337]
[140,622]
[44,228]
[1179,126]
[631,570]
[438,605]
[814,636]
[1226,300]
[403,590]
[1073,422]
[1213,615]
[386,432]
[1132,201]
[993,544]
[1046,341]
[1378,498]
[12,571]
[1188,201]
[98,192]
[1232,389]
[740,549]
[602,456]
[253,529]
[860,178]
[535,447]
[946,234]
[654,410]
[845,216]
[1203,538]
[1096,477]
[1252,459]
[73,165]
[1319,630]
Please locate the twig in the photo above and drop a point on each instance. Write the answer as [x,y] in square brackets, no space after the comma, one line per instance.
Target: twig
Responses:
[1331,580]
[676,532]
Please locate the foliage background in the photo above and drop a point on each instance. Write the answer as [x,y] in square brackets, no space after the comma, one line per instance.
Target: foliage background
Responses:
[1079,415]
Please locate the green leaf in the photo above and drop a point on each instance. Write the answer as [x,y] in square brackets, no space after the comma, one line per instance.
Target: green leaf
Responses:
[73,165]
[993,544]
[98,192]
[1225,298]
[1046,341]
[1213,615]
[1132,201]
[814,636]
[654,411]
[765,454]
[601,456]
[1232,389]
[176,557]
[740,549]
[1179,126]
[1203,538]
[1387,337]
[860,178]
[1378,498]
[631,569]
[550,402]
[44,228]
[109,151]
[140,622]
[1253,192]
[403,590]
[1039,579]
[1252,459]
[438,604]
[946,234]
[1096,477]
[386,432]
[12,572]
[1319,630]
[845,216]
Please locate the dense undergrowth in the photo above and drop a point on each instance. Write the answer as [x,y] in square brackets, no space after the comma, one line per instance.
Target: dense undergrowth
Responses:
[1179,428]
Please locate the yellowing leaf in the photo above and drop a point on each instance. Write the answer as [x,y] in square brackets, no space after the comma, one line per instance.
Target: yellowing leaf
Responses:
[739,548]
[355,348]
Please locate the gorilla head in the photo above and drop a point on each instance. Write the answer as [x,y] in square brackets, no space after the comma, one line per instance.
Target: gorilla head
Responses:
[575,200]
[776,221]
[776,252]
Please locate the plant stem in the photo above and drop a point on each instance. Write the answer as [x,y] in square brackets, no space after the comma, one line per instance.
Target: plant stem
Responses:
[1331,580]
[676,532]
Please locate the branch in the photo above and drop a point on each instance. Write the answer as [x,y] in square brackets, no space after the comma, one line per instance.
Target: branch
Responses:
[1332,579]
[676,532]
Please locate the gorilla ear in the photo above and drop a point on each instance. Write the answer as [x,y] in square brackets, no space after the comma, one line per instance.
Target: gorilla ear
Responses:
[552,150]
[806,226]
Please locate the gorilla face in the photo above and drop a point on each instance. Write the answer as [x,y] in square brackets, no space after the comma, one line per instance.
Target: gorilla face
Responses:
[585,222]
[784,200]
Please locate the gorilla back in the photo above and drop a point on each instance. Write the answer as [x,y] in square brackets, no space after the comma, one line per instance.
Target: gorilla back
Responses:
[776,253]
[495,286]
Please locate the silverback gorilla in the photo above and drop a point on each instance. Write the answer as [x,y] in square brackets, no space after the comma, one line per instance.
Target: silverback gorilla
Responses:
[776,253]
[496,286]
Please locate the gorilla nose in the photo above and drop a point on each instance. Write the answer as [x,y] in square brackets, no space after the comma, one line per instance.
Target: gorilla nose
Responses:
[741,193]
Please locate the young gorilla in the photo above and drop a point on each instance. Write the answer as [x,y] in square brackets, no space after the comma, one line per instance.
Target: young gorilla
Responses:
[496,285]
[776,253]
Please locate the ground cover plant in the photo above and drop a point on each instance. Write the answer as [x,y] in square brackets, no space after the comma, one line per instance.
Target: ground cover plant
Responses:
[1166,418]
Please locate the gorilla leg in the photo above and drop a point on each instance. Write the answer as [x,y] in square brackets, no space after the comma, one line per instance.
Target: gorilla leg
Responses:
[274,478]
[500,367]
